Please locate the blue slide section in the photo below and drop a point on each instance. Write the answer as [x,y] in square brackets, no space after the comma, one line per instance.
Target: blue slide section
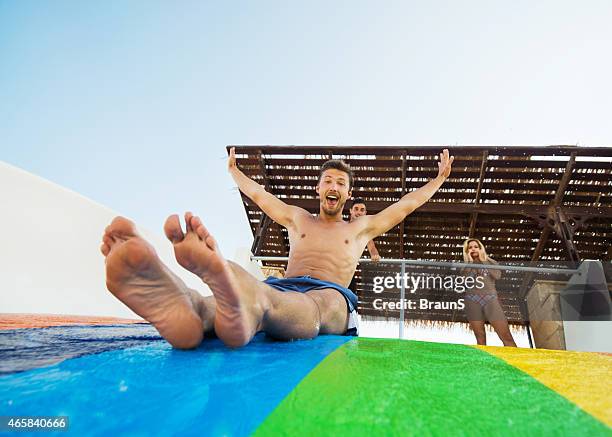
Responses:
[24,349]
[153,389]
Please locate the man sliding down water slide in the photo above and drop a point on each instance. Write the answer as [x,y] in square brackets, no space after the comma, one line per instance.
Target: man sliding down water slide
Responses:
[312,299]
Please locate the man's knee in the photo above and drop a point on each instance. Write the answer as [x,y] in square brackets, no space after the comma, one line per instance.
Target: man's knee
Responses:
[329,302]
[333,310]
[296,315]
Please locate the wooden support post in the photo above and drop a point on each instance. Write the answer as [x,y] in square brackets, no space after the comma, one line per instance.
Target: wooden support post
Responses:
[403,193]
[260,234]
[483,169]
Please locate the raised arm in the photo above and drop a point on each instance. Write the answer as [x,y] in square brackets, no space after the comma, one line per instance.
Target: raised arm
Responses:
[272,206]
[373,251]
[392,215]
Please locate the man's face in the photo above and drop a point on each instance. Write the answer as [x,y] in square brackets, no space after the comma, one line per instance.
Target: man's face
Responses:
[357,210]
[333,191]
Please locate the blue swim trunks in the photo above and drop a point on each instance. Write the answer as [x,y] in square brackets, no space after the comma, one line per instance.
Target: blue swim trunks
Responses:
[302,284]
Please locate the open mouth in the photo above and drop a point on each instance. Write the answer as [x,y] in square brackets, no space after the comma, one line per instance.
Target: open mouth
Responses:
[332,200]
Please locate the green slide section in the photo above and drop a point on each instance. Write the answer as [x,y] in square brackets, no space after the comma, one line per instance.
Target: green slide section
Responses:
[395,387]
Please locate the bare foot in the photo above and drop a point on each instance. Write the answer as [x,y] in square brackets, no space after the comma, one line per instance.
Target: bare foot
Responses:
[138,278]
[239,311]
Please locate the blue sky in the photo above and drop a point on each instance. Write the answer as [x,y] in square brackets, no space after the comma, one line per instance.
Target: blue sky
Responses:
[131,103]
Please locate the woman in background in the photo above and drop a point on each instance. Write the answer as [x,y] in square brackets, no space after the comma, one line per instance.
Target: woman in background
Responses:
[482,304]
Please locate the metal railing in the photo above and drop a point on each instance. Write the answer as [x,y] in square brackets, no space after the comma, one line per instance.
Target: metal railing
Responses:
[406,262]
[416,262]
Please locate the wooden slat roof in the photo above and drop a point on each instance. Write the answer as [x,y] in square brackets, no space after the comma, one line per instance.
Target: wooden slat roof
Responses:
[502,195]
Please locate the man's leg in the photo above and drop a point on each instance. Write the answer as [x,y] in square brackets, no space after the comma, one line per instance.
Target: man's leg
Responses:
[289,315]
[333,309]
[245,305]
[305,315]
[137,277]
[204,306]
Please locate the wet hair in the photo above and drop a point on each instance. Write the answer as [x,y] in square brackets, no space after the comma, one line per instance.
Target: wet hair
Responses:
[466,255]
[357,201]
[337,164]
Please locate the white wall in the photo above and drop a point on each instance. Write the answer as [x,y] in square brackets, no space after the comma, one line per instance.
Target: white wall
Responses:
[588,336]
[50,261]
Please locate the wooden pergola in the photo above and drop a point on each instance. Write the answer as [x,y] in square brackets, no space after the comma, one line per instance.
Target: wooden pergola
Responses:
[551,203]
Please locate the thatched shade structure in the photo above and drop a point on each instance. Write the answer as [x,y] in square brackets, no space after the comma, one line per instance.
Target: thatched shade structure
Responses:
[550,203]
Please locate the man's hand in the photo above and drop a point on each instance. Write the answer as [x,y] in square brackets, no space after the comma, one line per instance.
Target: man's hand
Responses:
[272,206]
[231,162]
[444,166]
[375,257]
[396,212]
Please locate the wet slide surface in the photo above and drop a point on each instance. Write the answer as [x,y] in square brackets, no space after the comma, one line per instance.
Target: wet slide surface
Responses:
[125,379]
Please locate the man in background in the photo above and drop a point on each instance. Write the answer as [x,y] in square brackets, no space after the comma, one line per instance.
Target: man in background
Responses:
[359,209]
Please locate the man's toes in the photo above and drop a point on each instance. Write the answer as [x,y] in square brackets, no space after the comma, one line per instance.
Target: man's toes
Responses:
[121,226]
[199,228]
[203,233]
[172,229]
[211,242]
[188,216]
